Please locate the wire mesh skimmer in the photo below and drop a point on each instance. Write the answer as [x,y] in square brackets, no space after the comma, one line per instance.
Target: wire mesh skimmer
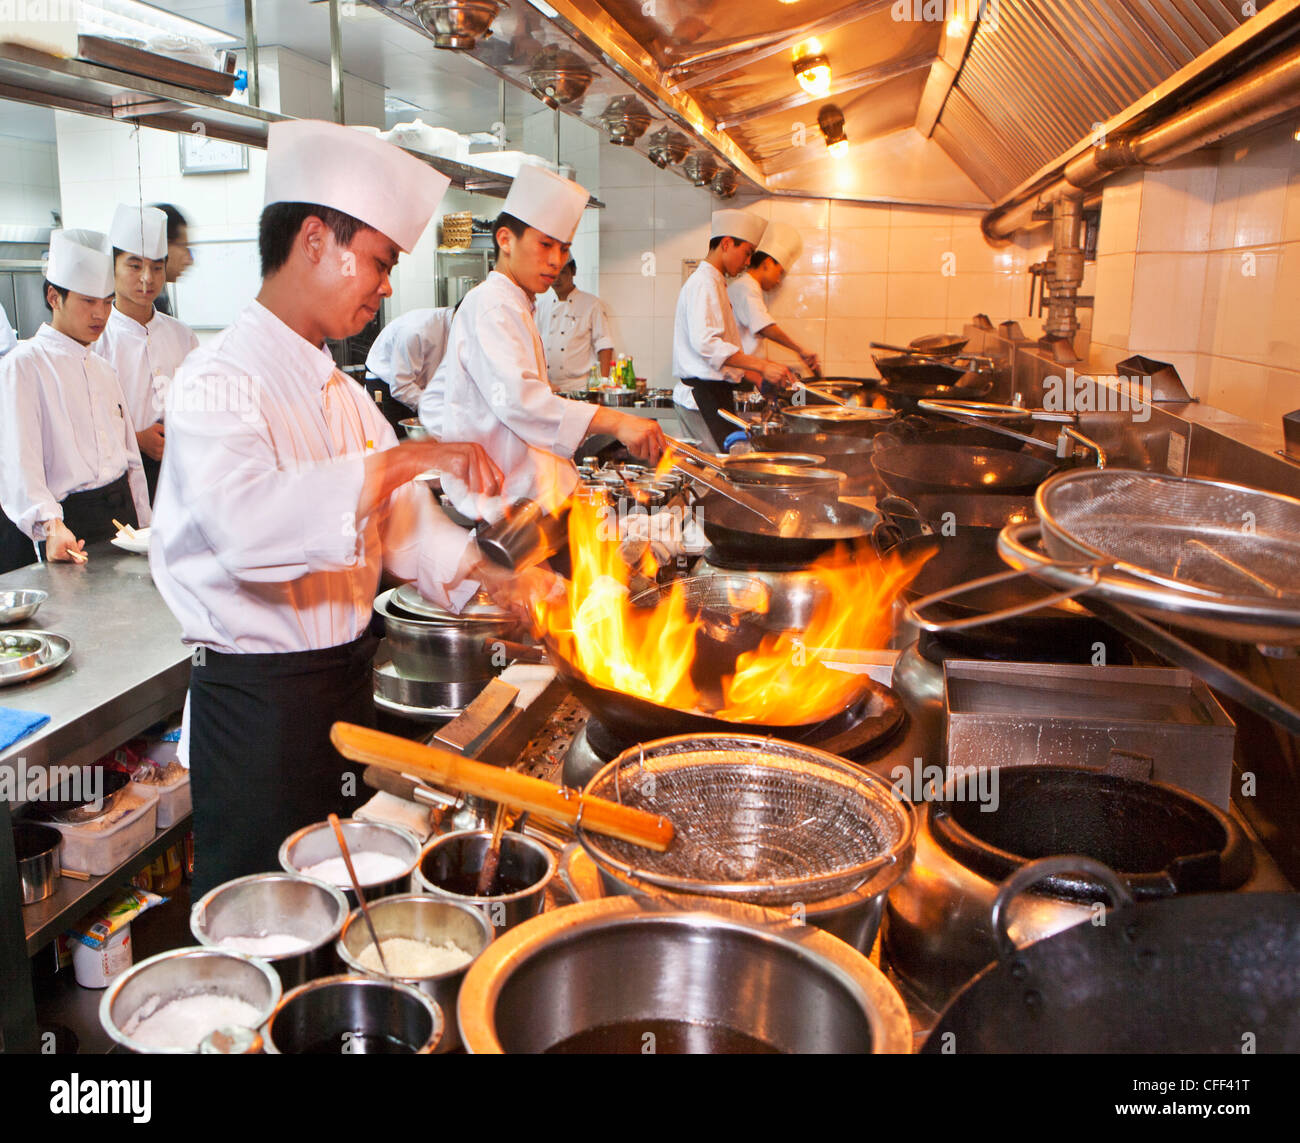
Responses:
[757,820]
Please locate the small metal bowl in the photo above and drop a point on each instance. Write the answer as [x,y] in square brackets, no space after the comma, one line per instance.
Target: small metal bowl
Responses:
[414,430]
[20,651]
[20,604]
[349,1015]
[457,858]
[316,843]
[37,850]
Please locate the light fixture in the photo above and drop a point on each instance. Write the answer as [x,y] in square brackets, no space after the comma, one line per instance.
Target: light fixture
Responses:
[831,120]
[956,27]
[812,69]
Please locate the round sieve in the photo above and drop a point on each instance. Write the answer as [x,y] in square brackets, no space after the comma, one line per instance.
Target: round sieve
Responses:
[757,820]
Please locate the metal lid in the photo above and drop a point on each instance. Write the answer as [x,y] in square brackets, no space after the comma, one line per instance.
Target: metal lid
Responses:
[479,609]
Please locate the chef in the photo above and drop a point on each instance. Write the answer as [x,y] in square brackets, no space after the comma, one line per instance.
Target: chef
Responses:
[8,339]
[143,345]
[491,387]
[284,495]
[779,249]
[575,332]
[707,356]
[179,258]
[69,463]
[408,351]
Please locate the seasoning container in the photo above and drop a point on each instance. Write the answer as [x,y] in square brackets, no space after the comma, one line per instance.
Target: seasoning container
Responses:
[99,967]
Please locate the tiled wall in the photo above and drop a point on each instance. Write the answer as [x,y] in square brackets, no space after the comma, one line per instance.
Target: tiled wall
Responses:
[29,182]
[867,273]
[1199,264]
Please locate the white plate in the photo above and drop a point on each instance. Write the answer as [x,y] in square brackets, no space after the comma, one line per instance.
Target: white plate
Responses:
[139,543]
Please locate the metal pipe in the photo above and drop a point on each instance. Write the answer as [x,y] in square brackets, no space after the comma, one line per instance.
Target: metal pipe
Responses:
[1264,93]
[250,54]
[556,113]
[336,61]
[501,114]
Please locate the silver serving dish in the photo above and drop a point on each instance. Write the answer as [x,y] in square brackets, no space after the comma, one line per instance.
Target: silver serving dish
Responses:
[15,606]
[36,653]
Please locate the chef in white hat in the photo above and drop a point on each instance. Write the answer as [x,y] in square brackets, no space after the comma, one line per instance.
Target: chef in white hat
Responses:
[408,351]
[69,463]
[144,346]
[777,252]
[492,385]
[8,338]
[708,358]
[284,495]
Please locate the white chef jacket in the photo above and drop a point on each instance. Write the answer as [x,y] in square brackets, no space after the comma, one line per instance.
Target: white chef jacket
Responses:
[145,358]
[491,388]
[705,333]
[64,428]
[409,350]
[8,339]
[751,312]
[573,331]
[256,545]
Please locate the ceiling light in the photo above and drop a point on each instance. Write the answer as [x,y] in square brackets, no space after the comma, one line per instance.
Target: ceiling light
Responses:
[812,69]
[544,8]
[957,27]
[831,120]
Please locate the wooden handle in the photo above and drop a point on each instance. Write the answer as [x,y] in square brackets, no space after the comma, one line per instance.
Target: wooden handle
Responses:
[599,815]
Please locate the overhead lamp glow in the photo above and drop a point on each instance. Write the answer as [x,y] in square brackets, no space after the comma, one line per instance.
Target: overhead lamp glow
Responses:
[840,150]
[956,27]
[814,75]
[544,8]
[831,121]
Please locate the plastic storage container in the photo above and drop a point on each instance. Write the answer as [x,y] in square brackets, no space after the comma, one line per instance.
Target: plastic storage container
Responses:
[100,851]
[174,801]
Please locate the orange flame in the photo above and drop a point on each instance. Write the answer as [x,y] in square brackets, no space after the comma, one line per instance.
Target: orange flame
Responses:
[649,651]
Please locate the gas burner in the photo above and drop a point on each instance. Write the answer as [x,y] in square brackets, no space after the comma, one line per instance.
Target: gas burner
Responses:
[858,734]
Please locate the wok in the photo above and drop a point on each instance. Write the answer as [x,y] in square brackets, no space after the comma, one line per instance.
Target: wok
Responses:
[910,430]
[849,453]
[920,470]
[1194,973]
[741,536]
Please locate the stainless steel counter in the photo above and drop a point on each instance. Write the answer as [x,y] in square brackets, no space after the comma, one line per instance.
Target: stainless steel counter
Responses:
[128,667]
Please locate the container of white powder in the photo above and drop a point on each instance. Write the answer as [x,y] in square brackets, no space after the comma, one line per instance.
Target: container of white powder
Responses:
[288,919]
[383,856]
[169,1003]
[429,943]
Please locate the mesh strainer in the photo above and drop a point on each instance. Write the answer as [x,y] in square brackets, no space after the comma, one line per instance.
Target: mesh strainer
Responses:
[757,820]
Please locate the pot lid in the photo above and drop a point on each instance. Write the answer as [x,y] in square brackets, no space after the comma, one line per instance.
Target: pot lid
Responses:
[479,609]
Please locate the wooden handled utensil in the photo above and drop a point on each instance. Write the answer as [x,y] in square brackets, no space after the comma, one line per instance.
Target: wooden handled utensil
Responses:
[356,888]
[492,858]
[556,802]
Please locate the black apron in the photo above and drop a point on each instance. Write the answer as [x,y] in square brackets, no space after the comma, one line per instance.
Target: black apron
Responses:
[88,515]
[711,396]
[261,762]
[152,468]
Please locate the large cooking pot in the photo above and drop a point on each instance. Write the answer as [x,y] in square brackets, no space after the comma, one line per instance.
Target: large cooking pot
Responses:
[1198,973]
[625,976]
[1161,840]
[450,648]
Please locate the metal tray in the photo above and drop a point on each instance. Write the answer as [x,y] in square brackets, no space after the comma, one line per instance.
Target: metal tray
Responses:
[15,606]
[136,61]
[45,652]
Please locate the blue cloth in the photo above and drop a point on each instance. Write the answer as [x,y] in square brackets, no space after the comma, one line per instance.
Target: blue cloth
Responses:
[16,724]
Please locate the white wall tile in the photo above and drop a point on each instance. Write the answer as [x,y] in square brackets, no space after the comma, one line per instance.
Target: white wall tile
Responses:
[1121,207]
[919,249]
[1178,206]
[917,296]
[1113,312]
[859,251]
[1168,292]
[799,296]
[858,215]
[856,295]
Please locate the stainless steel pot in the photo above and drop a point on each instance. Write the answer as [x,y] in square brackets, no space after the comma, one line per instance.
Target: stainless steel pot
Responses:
[618,975]
[430,919]
[37,850]
[450,865]
[181,973]
[271,904]
[316,843]
[348,1015]
[938,933]
[436,651]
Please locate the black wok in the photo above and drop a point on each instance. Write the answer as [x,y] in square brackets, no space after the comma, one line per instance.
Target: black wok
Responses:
[937,430]
[920,470]
[740,536]
[1206,972]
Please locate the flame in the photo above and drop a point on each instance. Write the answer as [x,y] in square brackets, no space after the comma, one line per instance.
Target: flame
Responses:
[649,651]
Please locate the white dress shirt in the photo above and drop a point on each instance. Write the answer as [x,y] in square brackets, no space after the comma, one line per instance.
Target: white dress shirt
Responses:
[64,428]
[704,328]
[145,358]
[257,545]
[491,388]
[408,351]
[751,312]
[8,339]
[574,330]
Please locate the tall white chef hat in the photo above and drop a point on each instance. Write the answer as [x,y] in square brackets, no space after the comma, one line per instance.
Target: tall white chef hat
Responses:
[737,224]
[81,261]
[139,230]
[552,204]
[782,242]
[308,160]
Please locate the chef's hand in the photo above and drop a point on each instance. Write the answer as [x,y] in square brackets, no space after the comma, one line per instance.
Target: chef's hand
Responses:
[519,592]
[643,437]
[778,374]
[467,462]
[151,441]
[811,360]
[61,546]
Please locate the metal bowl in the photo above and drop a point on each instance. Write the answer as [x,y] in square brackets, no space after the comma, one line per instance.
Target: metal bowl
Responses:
[347,1015]
[17,605]
[458,24]
[619,975]
[182,973]
[423,918]
[266,904]
[36,653]
[616,398]
[316,843]
[414,430]
[37,849]
[453,861]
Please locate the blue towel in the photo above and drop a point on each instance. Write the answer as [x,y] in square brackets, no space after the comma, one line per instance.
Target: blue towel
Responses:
[16,724]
